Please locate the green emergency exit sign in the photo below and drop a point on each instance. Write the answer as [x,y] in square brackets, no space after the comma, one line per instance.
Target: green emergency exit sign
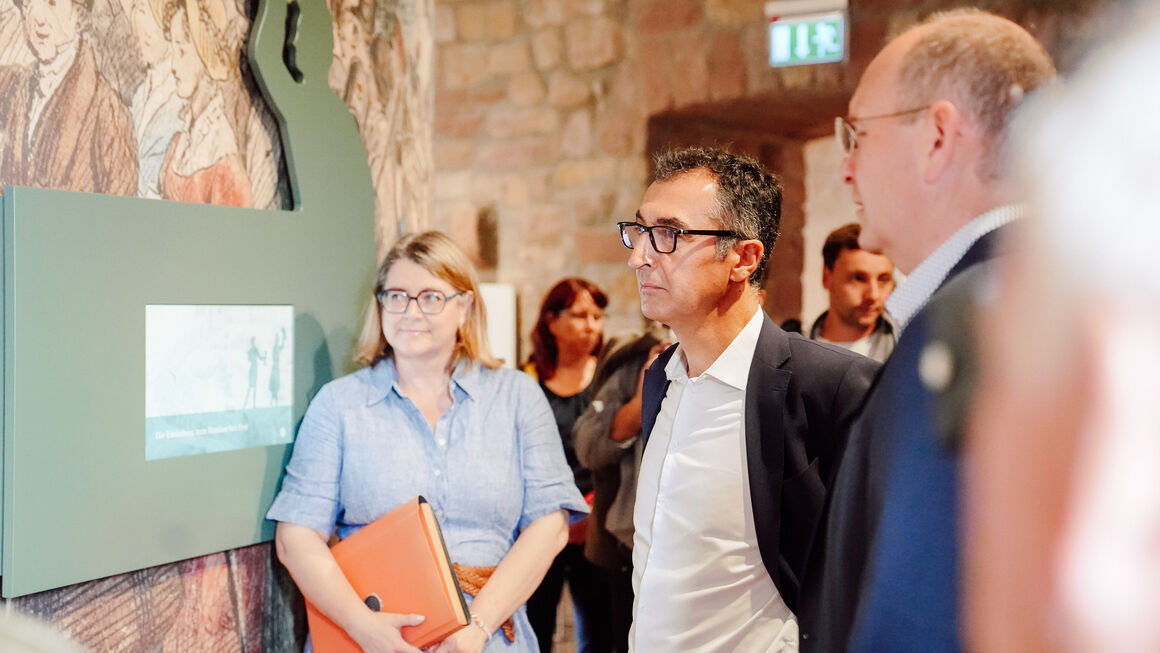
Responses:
[801,40]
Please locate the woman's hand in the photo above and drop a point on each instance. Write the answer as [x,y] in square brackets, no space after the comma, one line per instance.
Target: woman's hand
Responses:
[378,632]
[626,422]
[304,553]
[470,639]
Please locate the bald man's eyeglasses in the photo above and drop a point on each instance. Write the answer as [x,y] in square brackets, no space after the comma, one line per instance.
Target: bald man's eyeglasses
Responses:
[847,134]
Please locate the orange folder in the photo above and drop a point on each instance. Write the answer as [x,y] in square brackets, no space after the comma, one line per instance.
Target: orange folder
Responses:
[399,562]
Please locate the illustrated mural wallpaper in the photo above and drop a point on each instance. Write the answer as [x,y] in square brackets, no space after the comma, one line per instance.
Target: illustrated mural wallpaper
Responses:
[135,97]
[386,80]
[155,99]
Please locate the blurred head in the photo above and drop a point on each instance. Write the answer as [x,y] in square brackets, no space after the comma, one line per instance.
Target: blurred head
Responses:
[932,110]
[49,25]
[571,316]
[430,259]
[858,282]
[1061,506]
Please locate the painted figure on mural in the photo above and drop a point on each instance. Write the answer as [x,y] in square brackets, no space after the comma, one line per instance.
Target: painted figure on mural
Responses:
[155,107]
[275,370]
[258,139]
[352,77]
[255,357]
[377,75]
[350,69]
[204,163]
[13,46]
[398,66]
[61,124]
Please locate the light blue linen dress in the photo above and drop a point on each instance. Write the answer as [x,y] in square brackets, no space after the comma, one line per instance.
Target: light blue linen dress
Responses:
[493,465]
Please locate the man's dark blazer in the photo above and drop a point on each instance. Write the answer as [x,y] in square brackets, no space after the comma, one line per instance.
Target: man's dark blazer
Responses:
[800,398]
[883,574]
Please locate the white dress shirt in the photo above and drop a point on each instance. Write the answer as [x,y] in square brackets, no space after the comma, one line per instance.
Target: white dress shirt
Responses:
[910,296]
[697,575]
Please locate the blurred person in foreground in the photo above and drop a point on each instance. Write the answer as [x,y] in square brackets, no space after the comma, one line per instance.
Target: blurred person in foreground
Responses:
[568,336]
[858,283]
[608,443]
[22,633]
[1063,486]
[432,413]
[926,157]
[741,422]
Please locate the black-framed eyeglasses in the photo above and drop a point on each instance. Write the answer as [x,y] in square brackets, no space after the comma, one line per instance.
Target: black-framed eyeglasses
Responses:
[664,237]
[430,302]
[847,134]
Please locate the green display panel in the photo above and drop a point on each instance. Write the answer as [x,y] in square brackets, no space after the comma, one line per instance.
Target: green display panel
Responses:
[80,498]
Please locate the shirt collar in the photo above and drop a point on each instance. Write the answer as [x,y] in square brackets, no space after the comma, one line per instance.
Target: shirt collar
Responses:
[469,378]
[50,75]
[909,298]
[732,366]
[884,324]
[385,380]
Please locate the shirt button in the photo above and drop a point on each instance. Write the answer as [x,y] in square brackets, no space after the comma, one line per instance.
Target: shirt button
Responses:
[441,442]
[438,473]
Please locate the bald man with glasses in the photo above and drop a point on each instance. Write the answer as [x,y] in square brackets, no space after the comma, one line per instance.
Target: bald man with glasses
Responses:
[741,422]
[925,145]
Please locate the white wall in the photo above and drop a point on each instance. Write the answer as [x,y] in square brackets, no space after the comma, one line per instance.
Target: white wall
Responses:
[828,206]
[500,300]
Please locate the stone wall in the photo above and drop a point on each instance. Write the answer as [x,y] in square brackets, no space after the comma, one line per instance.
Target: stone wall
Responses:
[546,113]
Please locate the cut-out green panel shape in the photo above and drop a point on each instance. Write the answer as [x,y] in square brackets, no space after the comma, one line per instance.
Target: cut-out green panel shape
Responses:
[80,499]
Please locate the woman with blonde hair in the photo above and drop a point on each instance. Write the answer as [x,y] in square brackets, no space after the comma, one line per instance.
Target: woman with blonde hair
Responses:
[432,413]
[567,338]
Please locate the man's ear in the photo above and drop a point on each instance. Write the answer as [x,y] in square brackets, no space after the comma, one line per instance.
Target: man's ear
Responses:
[748,258]
[827,273]
[942,135]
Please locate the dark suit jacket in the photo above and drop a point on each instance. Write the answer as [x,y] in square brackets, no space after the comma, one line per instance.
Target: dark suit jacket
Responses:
[800,398]
[883,575]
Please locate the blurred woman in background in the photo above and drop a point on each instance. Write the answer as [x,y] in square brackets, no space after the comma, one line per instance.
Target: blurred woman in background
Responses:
[566,342]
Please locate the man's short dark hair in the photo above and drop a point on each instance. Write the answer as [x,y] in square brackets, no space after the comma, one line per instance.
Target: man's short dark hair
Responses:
[841,239]
[748,197]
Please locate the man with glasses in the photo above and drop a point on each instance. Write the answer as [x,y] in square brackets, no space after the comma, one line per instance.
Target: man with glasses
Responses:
[925,145]
[741,422]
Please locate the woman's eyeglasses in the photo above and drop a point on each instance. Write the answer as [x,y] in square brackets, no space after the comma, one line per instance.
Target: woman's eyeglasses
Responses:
[430,302]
